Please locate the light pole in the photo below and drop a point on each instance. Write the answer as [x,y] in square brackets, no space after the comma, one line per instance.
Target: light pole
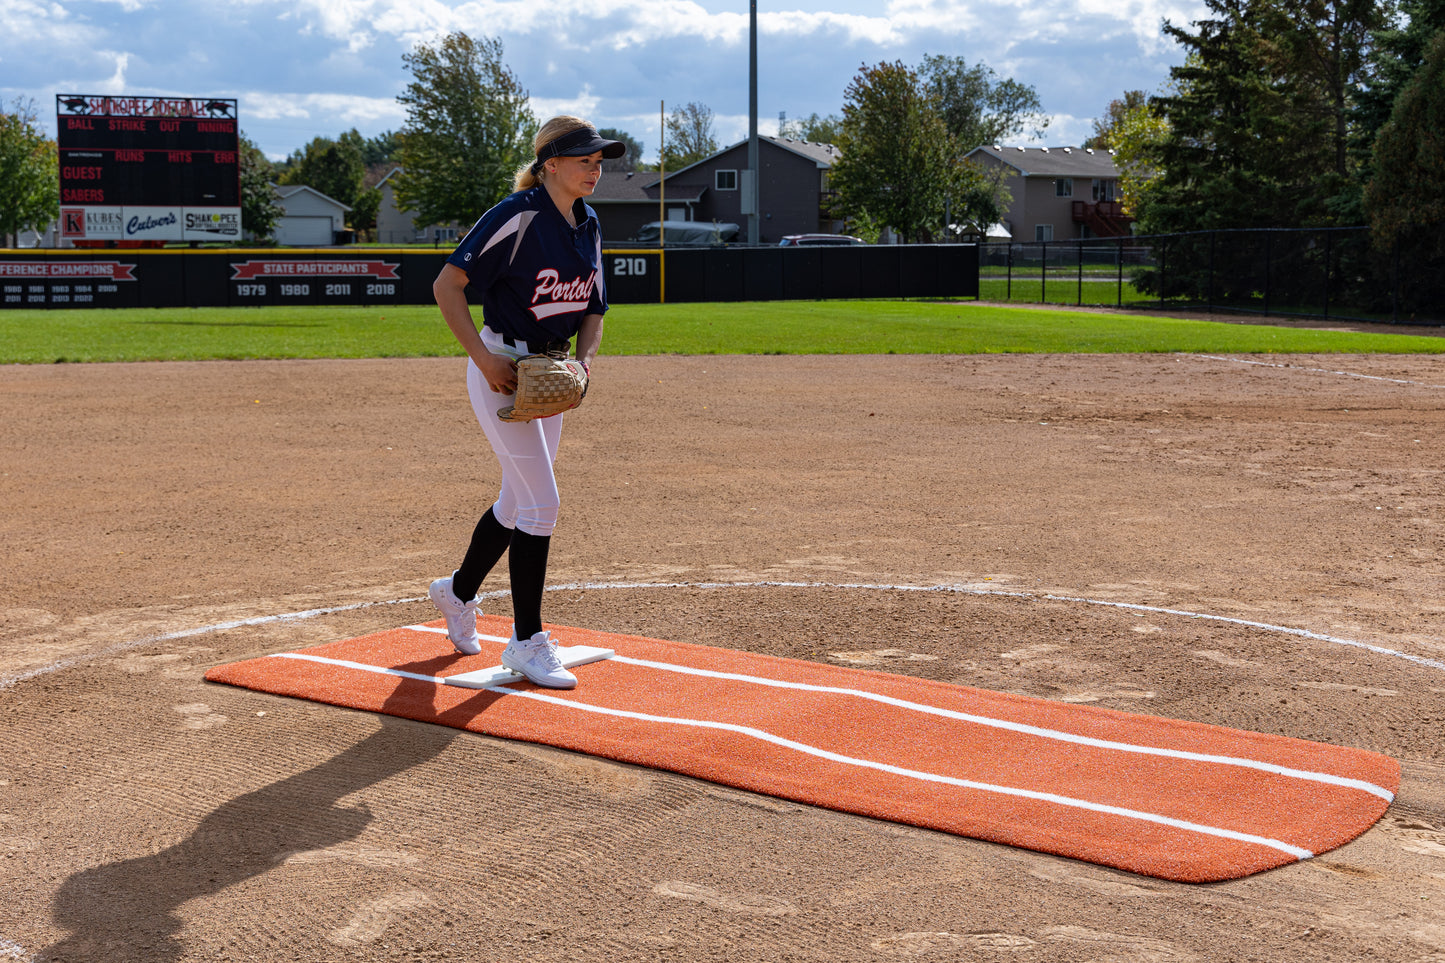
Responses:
[750,195]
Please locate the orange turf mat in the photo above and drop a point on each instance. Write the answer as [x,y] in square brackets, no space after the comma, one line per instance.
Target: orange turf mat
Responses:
[1161,797]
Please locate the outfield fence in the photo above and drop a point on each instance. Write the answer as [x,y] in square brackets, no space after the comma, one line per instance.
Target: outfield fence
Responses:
[238,277]
[1330,273]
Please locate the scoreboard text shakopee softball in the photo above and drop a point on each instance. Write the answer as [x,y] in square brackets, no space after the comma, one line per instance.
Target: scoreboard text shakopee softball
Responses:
[148,168]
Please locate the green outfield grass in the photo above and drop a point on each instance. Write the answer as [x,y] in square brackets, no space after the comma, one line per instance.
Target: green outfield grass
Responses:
[1097,289]
[778,327]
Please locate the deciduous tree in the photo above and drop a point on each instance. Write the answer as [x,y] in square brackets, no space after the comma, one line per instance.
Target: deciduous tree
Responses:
[897,162]
[1114,117]
[333,167]
[1135,137]
[630,161]
[29,172]
[259,207]
[690,136]
[468,129]
[380,149]
[977,107]
[819,130]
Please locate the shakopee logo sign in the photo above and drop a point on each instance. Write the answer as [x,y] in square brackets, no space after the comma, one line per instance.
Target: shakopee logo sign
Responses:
[215,223]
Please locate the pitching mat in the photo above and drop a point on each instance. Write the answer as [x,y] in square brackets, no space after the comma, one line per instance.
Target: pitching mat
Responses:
[1161,797]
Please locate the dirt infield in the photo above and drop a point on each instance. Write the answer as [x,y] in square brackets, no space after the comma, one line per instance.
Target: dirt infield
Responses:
[1250,542]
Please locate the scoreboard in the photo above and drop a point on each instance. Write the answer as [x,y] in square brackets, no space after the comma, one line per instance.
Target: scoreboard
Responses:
[148,168]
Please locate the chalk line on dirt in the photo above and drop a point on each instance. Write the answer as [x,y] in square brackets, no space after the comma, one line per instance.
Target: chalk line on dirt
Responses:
[1292,367]
[8,681]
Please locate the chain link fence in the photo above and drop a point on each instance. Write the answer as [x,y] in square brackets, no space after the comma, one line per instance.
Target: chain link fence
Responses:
[1328,273]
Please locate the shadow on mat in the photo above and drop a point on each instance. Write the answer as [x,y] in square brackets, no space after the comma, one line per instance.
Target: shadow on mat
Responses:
[128,910]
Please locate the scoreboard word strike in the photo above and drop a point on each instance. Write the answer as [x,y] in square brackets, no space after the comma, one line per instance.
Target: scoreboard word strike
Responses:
[148,168]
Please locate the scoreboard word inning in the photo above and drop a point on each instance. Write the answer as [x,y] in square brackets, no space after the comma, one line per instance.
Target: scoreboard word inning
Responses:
[148,168]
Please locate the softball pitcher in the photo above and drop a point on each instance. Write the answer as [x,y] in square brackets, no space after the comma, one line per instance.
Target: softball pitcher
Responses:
[536,261]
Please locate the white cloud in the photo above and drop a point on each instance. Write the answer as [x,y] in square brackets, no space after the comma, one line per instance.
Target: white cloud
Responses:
[28,23]
[330,109]
[303,68]
[116,83]
[582,104]
[849,28]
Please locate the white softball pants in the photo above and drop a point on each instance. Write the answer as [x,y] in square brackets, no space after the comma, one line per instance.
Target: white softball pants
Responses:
[526,450]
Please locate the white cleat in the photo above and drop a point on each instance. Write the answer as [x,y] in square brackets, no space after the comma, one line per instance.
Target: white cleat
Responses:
[536,658]
[461,616]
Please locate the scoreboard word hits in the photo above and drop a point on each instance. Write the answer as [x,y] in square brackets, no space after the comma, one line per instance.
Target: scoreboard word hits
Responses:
[148,168]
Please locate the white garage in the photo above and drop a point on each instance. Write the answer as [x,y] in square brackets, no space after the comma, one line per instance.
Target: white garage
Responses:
[311,219]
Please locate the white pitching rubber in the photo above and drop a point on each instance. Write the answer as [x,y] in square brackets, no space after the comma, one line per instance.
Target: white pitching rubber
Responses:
[570,655]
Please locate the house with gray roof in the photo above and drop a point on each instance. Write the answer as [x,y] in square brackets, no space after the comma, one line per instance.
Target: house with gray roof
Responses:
[793,192]
[1059,193]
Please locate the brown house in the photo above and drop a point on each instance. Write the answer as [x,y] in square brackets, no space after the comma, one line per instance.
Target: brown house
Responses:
[1059,193]
[793,192]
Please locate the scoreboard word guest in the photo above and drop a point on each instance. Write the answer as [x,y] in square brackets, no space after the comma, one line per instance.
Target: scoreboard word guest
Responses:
[148,168]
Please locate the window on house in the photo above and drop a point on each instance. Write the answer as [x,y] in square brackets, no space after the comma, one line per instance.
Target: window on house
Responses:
[1104,190]
[1043,232]
[1064,187]
[725,180]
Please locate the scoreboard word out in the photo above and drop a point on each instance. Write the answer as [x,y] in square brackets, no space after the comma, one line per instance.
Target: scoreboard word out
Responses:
[148,168]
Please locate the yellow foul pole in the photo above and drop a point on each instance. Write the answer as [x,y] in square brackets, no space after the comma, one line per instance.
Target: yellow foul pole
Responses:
[661,203]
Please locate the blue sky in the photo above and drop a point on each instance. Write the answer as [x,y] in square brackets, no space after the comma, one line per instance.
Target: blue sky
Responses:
[302,68]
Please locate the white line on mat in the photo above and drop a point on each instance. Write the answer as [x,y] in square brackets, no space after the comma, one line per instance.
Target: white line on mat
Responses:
[763,736]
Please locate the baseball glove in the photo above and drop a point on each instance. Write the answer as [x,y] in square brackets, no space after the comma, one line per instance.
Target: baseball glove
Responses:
[546,386]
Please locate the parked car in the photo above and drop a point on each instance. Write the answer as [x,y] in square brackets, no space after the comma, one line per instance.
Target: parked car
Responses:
[687,233]
[809,240]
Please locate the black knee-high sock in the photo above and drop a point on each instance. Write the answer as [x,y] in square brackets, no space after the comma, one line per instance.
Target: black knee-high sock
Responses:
[489,541]
[528,561]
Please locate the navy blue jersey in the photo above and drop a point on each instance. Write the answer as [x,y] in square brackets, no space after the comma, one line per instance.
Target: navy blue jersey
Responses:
[538,275]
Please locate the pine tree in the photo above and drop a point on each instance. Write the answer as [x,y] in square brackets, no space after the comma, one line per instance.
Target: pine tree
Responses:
[1260,118]
[1403,199]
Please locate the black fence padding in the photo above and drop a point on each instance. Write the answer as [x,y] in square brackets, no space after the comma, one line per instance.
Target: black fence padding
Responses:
[803,280]
[763,279]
